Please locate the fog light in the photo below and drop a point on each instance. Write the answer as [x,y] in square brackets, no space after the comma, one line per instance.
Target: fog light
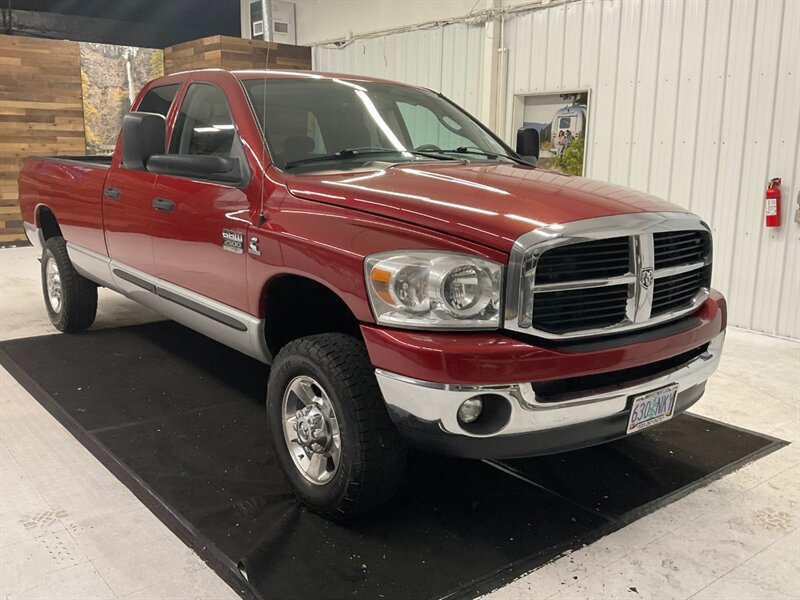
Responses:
[470,410]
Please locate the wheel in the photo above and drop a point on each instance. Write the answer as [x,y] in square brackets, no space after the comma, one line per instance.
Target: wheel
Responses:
[70,298]
[333,437]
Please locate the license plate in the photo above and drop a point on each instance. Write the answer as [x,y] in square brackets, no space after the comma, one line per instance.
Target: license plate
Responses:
[652,408]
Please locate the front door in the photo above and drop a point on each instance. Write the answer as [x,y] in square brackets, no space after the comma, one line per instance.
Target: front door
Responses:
[127,196]
[200,228]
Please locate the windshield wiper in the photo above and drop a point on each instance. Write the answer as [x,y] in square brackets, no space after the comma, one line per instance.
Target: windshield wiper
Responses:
[479,152]
[348,153]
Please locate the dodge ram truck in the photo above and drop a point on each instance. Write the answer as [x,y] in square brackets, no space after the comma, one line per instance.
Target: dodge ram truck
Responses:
[411,280]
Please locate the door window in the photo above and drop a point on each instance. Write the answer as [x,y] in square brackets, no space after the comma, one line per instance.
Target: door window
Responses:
[159,99]
[204,124]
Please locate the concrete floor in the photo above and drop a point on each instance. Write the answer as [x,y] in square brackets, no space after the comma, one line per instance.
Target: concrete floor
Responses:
[69,529]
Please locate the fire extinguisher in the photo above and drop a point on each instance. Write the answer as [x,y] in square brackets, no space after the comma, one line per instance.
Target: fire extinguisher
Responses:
[773,212]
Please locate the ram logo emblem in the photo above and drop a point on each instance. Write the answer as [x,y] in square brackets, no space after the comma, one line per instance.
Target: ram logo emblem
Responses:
[646,277]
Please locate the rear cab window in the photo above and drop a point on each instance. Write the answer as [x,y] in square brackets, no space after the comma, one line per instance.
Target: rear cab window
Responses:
[159,99]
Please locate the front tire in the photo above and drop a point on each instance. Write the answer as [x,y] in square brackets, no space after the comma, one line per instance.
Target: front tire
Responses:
[333,437]
[70,298]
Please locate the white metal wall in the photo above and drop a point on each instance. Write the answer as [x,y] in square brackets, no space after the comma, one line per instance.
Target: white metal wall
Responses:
[694,101]
[445,59]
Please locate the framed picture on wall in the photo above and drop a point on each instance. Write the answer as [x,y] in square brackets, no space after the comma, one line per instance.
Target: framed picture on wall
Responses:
[111,76]
[562,120]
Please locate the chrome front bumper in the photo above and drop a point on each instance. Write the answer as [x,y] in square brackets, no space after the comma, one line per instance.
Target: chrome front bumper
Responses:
[434,406]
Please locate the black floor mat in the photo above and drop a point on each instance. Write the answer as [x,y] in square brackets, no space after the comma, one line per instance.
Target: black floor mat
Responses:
[180,420]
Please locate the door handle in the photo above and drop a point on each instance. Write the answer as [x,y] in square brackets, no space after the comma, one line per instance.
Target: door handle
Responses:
[163,204]
[112,193]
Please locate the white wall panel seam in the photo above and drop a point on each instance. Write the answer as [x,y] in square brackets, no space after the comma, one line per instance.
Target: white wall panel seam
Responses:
[677,104]
[588,160]
[699,102]
[721,117]
[580,36]
[787,262]
[744,141]
[636,92]
[770,149]
[658,86]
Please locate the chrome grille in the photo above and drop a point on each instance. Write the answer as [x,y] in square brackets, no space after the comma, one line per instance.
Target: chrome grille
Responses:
[599,258]
[610,274]
[678,291]
[680,247]
[569,310]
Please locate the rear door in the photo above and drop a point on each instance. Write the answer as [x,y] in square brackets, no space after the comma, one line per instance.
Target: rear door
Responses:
[200,227]
[127,196]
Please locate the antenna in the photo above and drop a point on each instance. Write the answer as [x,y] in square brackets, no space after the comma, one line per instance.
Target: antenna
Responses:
[262,216]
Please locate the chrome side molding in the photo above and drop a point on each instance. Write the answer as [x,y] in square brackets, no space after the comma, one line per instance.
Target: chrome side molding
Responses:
[223,323]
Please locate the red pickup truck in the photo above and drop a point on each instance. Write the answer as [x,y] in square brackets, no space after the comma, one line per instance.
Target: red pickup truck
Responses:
[410,278]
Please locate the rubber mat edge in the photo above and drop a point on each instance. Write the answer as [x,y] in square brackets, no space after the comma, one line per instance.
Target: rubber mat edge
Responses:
[205,549]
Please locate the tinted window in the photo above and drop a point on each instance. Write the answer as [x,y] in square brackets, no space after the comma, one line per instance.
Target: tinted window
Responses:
[159,99]
[204,124]
[304,119]
[424,130]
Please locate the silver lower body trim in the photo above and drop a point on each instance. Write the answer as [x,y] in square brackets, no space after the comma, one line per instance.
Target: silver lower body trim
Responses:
[227,325]
[438,403]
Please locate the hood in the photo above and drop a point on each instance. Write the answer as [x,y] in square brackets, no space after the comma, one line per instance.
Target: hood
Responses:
[490,204]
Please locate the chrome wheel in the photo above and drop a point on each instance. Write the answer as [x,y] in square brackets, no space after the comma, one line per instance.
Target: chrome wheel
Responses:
[311,430]
[53,282]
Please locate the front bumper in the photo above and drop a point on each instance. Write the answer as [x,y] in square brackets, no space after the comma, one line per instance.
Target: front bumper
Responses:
[426,412]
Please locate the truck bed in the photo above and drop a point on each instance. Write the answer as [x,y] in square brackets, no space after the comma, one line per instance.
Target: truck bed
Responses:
[71,188]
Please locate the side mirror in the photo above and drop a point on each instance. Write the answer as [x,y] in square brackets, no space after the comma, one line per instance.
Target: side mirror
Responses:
[528,144]
[197,166]
[143,135]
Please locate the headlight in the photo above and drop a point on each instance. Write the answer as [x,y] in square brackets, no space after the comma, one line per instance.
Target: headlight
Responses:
[425,289]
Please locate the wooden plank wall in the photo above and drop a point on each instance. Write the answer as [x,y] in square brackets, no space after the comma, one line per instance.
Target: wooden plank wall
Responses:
[41,112]
[41,108]
[235,53]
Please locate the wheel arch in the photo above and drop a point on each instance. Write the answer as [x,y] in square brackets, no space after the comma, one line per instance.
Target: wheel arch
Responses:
[296,306]
[47,223]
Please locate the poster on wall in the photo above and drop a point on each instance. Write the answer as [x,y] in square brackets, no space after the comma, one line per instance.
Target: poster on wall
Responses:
[561,120]
[111,76]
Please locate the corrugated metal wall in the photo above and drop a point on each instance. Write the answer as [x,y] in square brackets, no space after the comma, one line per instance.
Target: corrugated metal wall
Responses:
[696,102]
[446,59]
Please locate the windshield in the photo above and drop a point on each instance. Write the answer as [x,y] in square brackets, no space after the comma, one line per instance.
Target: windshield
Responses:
[309,122]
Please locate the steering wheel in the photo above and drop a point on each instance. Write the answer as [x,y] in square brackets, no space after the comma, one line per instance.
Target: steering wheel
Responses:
[428,148]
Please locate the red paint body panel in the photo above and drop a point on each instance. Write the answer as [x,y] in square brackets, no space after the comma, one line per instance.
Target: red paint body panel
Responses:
[127,220]
[491,204]
[328,243]
[72,191]
[494,358]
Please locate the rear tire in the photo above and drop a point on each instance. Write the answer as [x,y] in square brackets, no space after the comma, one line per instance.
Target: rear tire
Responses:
[70,298]
[322,390]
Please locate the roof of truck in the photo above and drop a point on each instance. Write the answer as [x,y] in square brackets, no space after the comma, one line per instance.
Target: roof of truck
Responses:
[294,74]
